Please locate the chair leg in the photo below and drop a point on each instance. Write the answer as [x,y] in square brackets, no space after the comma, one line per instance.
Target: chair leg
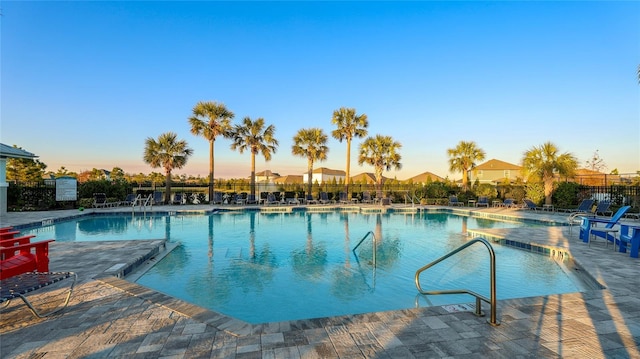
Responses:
[64,305]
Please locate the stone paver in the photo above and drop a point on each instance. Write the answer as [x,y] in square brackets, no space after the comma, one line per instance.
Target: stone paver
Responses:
[109,317]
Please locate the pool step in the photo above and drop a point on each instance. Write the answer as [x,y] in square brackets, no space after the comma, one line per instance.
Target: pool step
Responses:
[227,253]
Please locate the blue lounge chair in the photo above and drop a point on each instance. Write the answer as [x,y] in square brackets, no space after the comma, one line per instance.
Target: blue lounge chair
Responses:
[271,199]
[509,202]
[324,198]
[630,236]
[177,198]
[528,204]
[603,208]
[129,200]
[157,198]
[343,198]
[366,197]
[482,201]
[218,198]
[310,200]
[584,207]
[251,199]
[453,201]
[588,227]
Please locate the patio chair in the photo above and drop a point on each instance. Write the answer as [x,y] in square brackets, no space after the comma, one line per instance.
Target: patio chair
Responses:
[177,198]
[482,201]
[100,200]
[528,204]
[589,227]
[19,285]
[584,207]
[251,199]
[509,203]
[15,241]
[453,201]
[23,258]
[217,198]
[343,198]
[271,199]
[310,200]
[129,200]
[366,197]
[630,237]
[157,198]
[324,198]
[8,234]
[603,208]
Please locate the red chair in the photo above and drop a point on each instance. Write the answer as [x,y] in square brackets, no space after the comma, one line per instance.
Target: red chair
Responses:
[11,242]
[23,258]
[8,234]
[5,229]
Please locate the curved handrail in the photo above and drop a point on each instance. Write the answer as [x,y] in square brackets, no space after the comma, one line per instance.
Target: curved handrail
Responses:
[492,301]
[375,251]
[362,240]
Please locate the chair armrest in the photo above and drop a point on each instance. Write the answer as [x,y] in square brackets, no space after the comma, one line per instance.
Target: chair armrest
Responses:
[41,248]
[8,235]
[41,253]
[12,242]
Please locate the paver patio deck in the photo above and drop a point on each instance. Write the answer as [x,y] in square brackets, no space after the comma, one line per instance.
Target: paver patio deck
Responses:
[110,317]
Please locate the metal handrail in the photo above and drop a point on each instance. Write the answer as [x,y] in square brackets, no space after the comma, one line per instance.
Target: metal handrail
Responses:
[370,233]
[492,301]
[411,198]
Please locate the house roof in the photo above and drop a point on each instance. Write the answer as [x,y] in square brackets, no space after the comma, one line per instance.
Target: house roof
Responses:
[497,165]
[14,152]
[328,171]
[289,179]
[368,177]
[267,173]
[422,178]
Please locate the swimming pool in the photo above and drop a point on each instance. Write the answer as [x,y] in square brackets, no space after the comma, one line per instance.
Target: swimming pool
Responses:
[266,267]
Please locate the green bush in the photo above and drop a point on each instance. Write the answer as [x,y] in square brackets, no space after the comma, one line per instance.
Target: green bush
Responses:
[568,194]
[535,192]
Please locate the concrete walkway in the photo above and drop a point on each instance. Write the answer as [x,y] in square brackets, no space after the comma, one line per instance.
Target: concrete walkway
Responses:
[109,317]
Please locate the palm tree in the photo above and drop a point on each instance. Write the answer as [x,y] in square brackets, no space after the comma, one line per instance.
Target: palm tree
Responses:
[218,122]
[463,158]
[349,125]
[312,144]
[382,153]
[254,137]
[544,162]
[167,152]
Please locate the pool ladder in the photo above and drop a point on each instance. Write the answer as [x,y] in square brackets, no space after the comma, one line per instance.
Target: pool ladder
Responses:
[492,301]
[367,235]
[143,202]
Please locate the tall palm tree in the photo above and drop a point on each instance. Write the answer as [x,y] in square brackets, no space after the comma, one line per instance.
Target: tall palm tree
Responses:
[349,125]
[256,138]
[169,153]
[463,158]
[544,162]
[312,144]
[210,120]
[382,153]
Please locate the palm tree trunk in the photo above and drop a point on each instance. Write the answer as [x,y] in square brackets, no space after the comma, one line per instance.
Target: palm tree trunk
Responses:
[548,190]
[348,176]
[465,178]
[309,176]
[211,171]
[167,180]
[253,174]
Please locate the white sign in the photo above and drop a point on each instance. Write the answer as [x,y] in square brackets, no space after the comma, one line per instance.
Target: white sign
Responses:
[66,189]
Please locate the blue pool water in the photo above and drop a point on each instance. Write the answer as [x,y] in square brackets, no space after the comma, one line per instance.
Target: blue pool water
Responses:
[265,267]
